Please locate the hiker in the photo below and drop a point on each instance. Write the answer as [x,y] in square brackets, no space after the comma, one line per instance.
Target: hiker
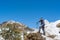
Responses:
[42,24]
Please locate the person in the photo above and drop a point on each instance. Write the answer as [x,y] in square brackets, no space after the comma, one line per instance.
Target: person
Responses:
[42,24]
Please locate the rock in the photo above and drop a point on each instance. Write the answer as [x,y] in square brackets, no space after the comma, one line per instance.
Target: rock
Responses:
[34,36]
[58,25]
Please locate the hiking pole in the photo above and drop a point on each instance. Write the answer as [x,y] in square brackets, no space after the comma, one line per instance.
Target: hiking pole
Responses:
[37,24]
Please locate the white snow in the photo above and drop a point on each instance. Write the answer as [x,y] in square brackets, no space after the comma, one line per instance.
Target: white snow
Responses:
[1,38]
[12,21]
[51,29]
[22,36]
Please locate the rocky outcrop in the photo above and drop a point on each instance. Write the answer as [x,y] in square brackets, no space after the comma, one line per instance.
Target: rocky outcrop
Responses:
[58,25]
[34,36]
[15,24]
[11,30]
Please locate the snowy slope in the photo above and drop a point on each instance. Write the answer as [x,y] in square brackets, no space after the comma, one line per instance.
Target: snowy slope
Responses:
[52,30]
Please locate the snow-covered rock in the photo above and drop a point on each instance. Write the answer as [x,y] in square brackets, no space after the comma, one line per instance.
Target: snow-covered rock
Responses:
[1,38]
[52,29]
[46,22]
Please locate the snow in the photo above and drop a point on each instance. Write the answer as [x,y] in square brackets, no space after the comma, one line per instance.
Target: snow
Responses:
[36,30]
[22,36]
[1,38]
[51,29]
[12,21]
[46,22]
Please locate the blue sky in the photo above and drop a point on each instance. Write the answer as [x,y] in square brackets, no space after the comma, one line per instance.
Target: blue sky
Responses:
[29,11]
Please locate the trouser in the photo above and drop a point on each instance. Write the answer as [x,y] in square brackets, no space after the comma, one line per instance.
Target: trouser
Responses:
[43,29]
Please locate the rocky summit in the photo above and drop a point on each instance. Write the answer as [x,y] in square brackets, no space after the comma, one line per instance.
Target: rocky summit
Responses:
[12,30]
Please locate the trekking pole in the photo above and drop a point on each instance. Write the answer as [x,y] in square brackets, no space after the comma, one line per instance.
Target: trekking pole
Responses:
[37,24]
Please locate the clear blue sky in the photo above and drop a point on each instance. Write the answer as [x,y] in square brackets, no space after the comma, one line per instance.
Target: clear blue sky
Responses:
[29,11]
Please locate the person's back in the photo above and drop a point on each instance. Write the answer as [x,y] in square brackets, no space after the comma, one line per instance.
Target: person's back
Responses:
[42,22]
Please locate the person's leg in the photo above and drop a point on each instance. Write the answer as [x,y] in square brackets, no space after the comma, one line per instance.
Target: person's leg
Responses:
[43,30]
[40,29]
